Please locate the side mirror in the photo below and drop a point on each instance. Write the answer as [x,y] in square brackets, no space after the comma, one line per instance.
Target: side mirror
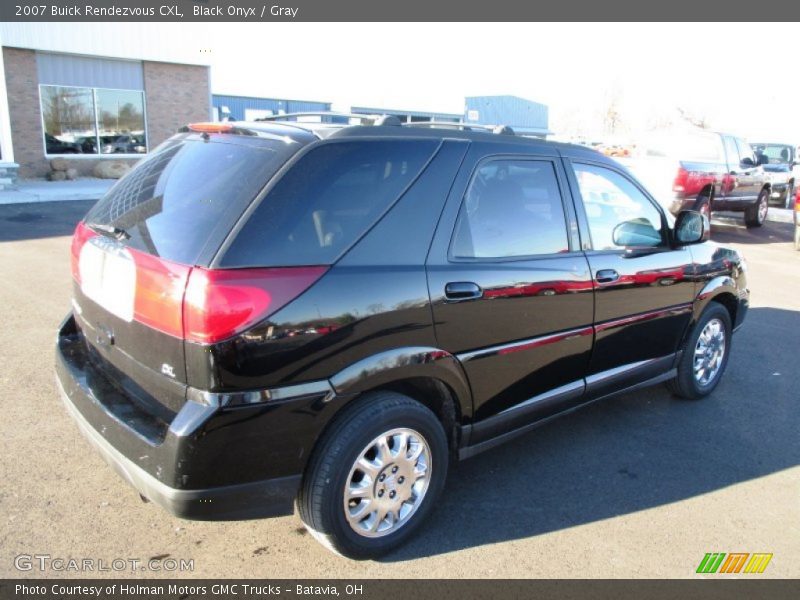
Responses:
[691,227]
[636,233]
[748,162]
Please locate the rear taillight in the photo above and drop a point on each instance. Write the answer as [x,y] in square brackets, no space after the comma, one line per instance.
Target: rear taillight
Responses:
[681,177]
[221,303]
[82,235]
[160,286]
[203,305]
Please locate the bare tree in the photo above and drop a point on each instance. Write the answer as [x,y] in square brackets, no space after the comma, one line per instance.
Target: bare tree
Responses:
[697,119]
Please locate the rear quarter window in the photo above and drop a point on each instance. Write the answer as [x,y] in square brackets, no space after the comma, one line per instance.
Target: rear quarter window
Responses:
[327,201]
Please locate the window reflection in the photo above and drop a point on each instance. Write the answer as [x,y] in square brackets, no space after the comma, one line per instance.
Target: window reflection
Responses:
[68,118]
[93,121]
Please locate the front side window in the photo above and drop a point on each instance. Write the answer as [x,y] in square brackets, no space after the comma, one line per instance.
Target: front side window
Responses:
[619,214]
[775,154]
[512,208]
[92,120]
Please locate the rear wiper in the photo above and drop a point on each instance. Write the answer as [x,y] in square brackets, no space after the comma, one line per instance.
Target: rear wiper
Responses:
[116,232]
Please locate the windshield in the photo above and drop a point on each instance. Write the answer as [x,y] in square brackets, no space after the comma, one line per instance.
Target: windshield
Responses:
[774,154]
[188,193]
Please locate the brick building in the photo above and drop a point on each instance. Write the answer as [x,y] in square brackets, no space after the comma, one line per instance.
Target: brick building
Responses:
[87,94]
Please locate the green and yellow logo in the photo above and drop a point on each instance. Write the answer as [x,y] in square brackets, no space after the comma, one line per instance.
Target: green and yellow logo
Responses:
[735,562]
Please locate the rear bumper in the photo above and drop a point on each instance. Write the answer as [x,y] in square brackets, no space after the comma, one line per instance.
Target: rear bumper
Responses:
[272,497]
[206,461]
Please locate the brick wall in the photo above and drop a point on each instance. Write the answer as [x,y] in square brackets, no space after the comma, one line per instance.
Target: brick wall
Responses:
[22,85]
[174,95]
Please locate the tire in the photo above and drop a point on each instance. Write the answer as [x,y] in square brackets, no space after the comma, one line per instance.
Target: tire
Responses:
[337,480]
[703,206]
[788,200]
[693,381]
[756,214]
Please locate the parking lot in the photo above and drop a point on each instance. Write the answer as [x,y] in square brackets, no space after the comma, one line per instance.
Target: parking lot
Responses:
[642,485]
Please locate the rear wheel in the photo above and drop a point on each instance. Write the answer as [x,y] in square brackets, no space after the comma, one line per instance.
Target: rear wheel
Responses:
[756,214]
[703,206]
[705,355]
[375,476]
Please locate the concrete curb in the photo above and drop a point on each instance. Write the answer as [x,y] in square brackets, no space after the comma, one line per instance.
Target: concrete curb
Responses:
[44,191]
[774,215]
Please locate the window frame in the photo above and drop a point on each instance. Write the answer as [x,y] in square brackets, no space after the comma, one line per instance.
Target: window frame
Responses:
[570,222]
[99,155]
[586,232]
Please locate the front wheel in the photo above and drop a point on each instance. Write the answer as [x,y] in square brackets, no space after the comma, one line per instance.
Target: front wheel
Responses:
[756,214]
[705,355]
[703,206]
[375,476]
[788,201]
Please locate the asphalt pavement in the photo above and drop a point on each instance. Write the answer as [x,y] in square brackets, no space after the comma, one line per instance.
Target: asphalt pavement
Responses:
[642,485]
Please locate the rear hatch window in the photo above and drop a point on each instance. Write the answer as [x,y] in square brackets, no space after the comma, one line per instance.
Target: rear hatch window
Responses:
[327,201]
[189,193]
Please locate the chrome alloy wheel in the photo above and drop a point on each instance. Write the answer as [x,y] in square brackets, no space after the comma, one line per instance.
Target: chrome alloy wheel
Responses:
[709,352]
[387,483]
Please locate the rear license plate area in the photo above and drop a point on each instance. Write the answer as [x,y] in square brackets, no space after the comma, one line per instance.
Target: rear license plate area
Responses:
[108,276]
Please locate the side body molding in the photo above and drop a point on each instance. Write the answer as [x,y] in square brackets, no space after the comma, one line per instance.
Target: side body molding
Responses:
[405,363]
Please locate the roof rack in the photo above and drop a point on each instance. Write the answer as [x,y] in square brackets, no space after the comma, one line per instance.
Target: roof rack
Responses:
[388,120]
[497,129]
[321,113]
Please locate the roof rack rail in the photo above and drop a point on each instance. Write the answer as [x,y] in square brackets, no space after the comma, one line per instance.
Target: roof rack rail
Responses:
[387,120]
[321,113]
[497,129]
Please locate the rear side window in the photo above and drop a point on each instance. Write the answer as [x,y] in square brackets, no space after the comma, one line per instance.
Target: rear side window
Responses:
[731,150]
[745,151]
[327,201]
[187,193]
[512,209]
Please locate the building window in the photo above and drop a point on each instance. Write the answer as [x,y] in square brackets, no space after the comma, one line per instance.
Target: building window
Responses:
[80,120]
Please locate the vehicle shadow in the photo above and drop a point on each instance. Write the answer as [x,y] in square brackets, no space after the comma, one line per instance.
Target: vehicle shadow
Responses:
[41,219]
[733,231]
[626,454]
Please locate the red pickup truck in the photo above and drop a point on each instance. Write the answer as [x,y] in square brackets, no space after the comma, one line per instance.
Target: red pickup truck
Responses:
[703,171]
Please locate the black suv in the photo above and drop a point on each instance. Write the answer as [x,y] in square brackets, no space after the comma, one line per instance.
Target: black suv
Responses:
[279,311]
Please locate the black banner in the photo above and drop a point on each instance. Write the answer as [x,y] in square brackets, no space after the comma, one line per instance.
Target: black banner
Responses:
[386,10]
[400,589]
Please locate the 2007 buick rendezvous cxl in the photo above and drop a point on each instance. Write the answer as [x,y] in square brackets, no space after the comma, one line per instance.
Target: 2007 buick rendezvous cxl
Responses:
[276,312]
